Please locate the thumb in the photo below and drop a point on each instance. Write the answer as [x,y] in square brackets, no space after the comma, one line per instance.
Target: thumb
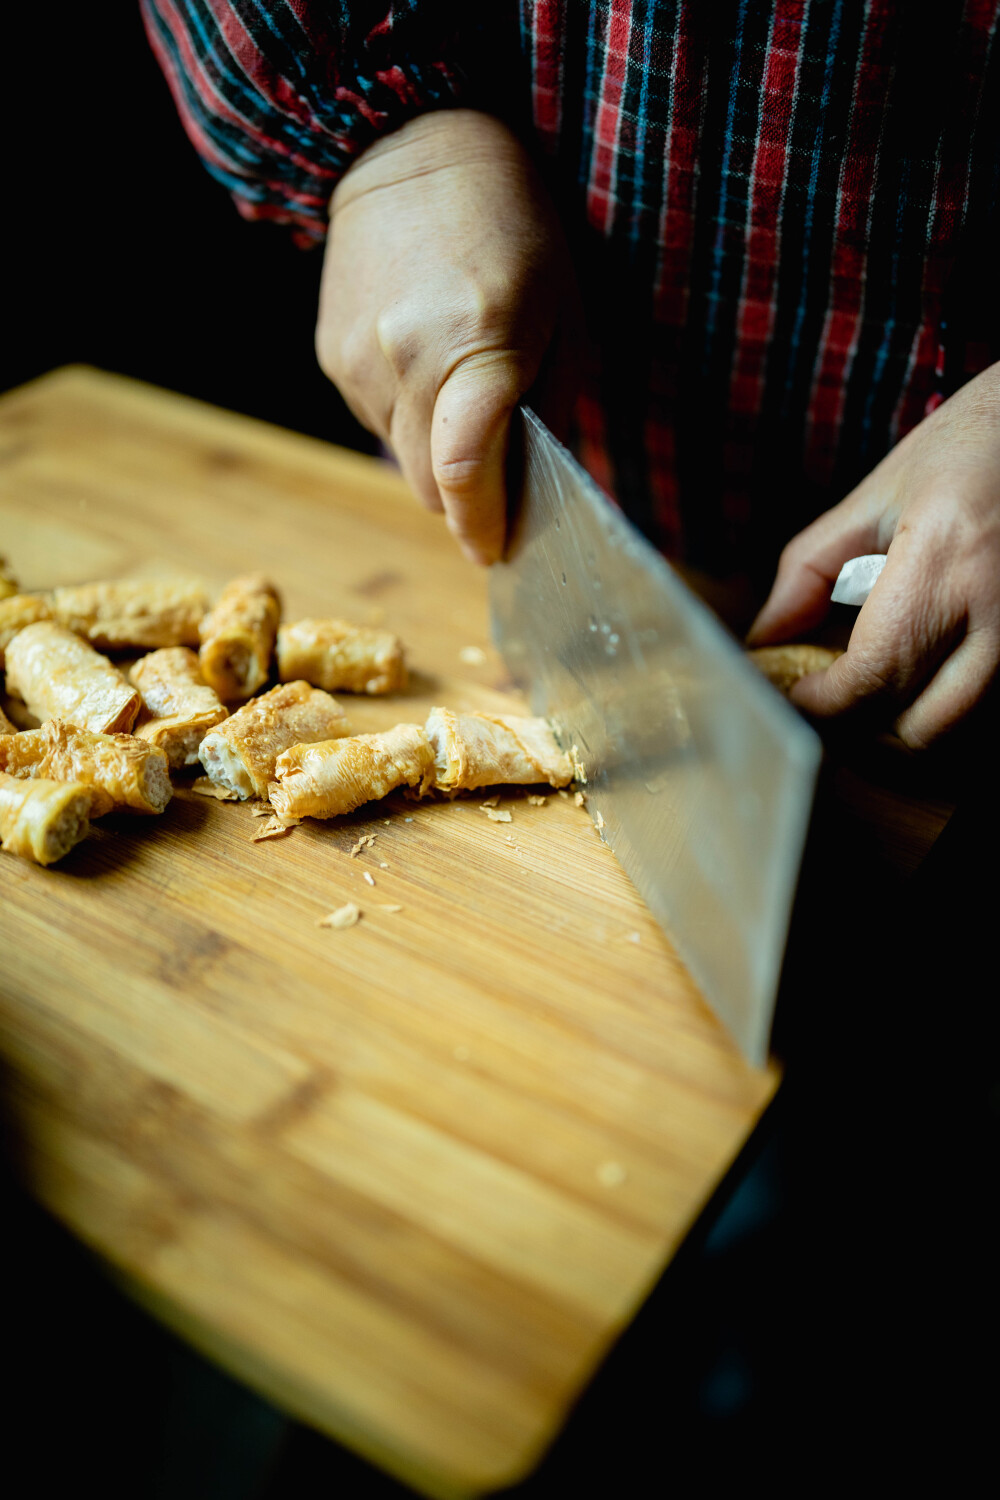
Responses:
[470,431]
[808,568]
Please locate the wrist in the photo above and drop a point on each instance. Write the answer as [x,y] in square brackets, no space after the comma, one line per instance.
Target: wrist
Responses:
[435,141]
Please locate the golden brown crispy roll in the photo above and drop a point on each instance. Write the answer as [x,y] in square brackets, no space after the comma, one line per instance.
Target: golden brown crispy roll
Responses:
[61,677]
[20,610]
[784,665]
[240,754]
[473,750]
[42,820]
[8,583]
[237,637]
[322,781]
[179,706]
[120,770]
[132,613]
[334,655]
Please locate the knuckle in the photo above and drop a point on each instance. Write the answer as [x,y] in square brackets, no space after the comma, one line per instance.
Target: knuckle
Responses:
[398,337]
[461,477]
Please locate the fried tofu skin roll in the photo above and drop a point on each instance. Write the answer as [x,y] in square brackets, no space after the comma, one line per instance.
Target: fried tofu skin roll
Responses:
[179,706]
[474,750]
[120,770]
[241,753]
[61,677]
[323,781]
[237,637]
[337,656]
[124,613]
[20,610]
[784,665]
[42,820]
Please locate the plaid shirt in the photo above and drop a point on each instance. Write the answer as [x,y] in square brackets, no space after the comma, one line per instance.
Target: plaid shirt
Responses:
[784,212]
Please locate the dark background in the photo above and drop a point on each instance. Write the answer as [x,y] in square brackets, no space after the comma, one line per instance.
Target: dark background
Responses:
[120,251]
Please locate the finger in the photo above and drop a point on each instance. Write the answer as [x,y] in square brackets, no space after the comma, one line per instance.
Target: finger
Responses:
[899,638]
[958,686]
[469,438]
[410,439]
[808,568]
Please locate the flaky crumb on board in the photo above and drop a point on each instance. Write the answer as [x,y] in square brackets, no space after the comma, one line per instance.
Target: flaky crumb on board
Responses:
[472,656]
[345,916]
[579,800]
[391,906]
[206,788]
[369,877]
[537,801]
[497,814]
[272,829]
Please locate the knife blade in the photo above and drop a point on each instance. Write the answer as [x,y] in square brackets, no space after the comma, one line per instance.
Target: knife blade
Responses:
[700,773]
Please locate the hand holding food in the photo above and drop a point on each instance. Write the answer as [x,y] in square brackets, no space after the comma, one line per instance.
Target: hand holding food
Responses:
[925,648]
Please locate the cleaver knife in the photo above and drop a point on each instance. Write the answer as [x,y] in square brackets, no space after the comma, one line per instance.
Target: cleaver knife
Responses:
[698,774]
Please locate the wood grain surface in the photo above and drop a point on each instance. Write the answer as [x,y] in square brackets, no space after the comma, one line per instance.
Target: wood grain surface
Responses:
[411,1178]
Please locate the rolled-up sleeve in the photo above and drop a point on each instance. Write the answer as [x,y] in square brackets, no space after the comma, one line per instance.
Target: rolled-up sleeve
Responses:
[278,97]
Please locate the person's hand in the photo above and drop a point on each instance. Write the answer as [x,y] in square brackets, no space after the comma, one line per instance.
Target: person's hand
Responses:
[925,647]
[445,284]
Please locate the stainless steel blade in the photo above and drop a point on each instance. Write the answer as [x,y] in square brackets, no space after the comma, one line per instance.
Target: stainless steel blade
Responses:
[702,774]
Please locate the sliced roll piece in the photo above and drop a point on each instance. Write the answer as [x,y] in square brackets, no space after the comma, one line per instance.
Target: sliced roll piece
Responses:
[785,665]
[130,612]
[42,820]
[179,708]
[237,637]
[325,780]
[240,754]
[474,750]
[61,677]
[20,610]
[334,655]
[120,770]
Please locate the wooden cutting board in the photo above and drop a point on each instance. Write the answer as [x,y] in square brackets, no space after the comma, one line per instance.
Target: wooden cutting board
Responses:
[408,1179]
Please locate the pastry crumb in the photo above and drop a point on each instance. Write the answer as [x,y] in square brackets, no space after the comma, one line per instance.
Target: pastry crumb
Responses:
[563,793]
[578,766]
[369,877]
[206,788]
[271,830]
[579,800]
[598,822]
[472,656]
[497,814]
[407,820]
[382,865]
[611,1174]
[344,916]
[537,801]
[633,937]
[490,802]
[391,906]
